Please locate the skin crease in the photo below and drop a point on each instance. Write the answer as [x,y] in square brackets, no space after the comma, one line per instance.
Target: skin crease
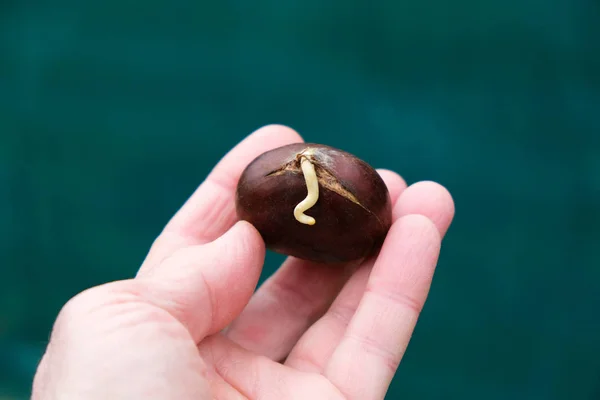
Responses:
[190,325]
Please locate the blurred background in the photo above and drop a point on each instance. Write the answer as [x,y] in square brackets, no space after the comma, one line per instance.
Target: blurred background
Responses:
[112,112]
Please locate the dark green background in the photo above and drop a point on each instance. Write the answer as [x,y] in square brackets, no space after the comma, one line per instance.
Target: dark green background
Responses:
[112,112]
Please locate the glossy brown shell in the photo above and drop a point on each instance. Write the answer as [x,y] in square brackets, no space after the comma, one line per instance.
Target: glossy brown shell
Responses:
[353,212]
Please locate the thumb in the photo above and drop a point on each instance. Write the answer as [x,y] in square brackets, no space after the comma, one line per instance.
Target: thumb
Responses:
[206,286]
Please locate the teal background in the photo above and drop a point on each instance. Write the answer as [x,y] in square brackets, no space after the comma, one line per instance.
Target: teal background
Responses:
[112,112]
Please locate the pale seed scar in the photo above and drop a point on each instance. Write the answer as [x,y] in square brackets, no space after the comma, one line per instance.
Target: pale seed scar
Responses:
[312,186]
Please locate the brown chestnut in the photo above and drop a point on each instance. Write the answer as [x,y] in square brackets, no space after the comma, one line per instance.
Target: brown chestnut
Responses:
[315,202]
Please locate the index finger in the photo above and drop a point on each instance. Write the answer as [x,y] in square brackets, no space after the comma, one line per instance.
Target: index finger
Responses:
[210,211]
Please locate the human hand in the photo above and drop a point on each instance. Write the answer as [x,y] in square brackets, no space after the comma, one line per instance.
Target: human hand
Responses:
[189,325]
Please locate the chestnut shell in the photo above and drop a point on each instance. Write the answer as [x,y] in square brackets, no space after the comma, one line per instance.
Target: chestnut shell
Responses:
[353,213]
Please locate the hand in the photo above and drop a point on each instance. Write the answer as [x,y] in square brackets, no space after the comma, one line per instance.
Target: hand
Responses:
[189,326]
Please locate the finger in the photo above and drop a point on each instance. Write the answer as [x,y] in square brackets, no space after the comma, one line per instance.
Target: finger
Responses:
[219,388]
[364,363]
[430,199]
[210,211]
[206,286]
[316,346]
[293,298]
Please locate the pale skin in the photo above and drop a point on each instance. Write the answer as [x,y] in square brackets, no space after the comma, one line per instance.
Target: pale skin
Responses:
[191,325]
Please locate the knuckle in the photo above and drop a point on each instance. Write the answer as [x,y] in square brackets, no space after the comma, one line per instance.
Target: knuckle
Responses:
[82,307]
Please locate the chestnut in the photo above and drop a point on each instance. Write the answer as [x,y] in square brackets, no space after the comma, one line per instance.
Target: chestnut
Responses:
[315,202]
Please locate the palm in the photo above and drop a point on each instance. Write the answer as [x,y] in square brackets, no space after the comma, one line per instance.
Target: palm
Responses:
[313,331]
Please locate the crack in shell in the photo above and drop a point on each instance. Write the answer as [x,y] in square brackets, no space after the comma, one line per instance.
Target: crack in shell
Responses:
[325,177]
